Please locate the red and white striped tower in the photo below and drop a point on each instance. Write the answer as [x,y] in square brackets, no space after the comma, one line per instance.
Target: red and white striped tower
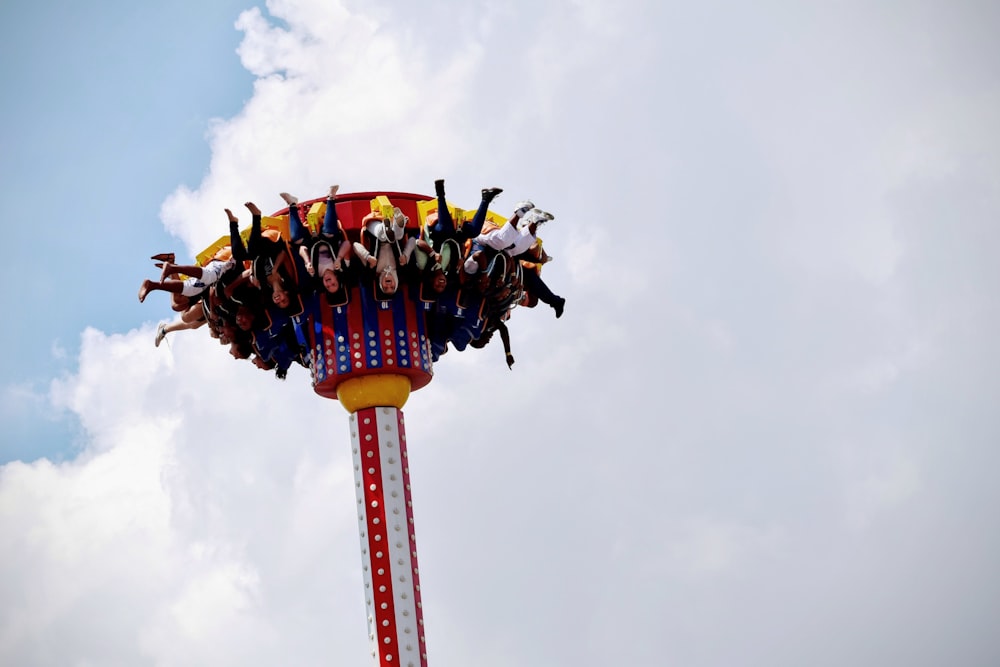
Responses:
[388,540]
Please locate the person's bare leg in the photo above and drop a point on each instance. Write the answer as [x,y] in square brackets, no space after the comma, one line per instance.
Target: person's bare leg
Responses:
[179,325]
[193,270]
[195,313]
[173,286]
[179,303]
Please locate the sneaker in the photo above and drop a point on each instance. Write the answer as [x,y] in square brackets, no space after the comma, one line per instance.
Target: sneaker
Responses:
[399,218]
[558,307]
[546,216]
[522,207]
[333,191]
[489,194]
[439,187]
[534,216]
[161,333]
[289,199]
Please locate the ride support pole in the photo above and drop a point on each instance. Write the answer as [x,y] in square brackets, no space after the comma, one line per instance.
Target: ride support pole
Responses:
[388,539]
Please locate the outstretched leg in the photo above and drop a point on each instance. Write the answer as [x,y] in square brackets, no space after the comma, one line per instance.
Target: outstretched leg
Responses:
[534,284]
[295,227]
[173,269]
[331,226]
[253,244]
[179,325]
[174,286]
[395,229]
[444,226]
[239,250]
[475,226]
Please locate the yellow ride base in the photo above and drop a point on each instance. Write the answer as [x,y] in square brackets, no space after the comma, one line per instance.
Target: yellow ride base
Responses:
[370,391]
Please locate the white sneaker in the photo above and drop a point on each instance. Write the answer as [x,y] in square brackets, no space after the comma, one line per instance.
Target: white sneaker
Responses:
[289,199]
[399,218]
[161,333]
[522,207]
[534,216]
[333,191]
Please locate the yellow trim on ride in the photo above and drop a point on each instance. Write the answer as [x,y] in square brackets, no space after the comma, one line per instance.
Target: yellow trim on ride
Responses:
[314,218]
[383,207]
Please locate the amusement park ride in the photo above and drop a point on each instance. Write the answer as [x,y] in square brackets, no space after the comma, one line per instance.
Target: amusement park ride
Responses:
[369,350]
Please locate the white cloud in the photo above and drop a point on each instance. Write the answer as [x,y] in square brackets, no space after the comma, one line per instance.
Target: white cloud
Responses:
[880,373]
[178,527]
[79,537]
[337,100]
[707,547]
[20,397]
[881,487]
[58,351]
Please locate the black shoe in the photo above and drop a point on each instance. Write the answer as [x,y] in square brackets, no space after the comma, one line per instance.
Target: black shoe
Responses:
[558,307]
[439,187]
[490,193]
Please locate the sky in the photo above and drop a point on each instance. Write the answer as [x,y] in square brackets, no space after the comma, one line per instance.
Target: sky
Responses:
[764,432]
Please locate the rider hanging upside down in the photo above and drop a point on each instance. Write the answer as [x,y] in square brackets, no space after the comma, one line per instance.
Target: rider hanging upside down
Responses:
[198,280]
[326,254]
[516,239]
[381,249]
[441,241]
